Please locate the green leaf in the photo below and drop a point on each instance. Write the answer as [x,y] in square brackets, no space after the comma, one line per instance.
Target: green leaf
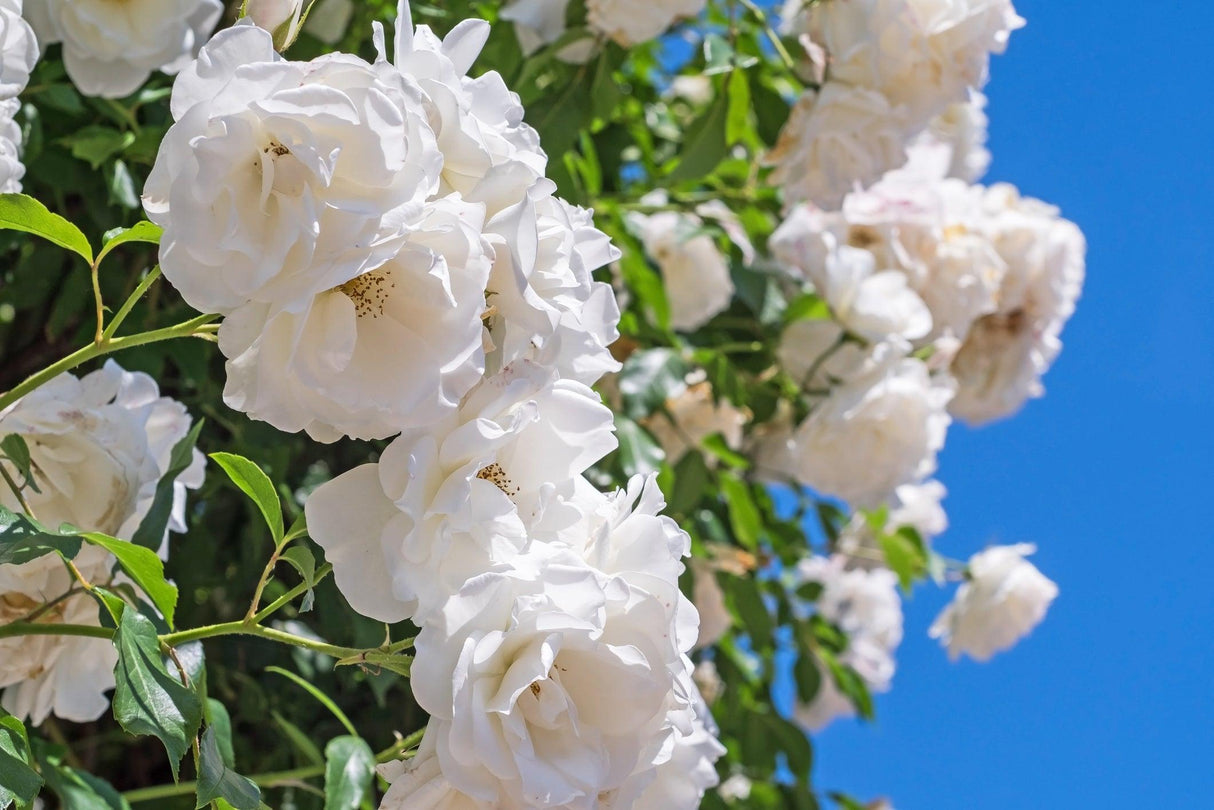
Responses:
[807,676]
[144,232]
[23,539]
[320,696]
[257,485]
[150,533]
[807,307]
[749,607]
[145,567]
[301,559]
[220,722]
[377,660]
[147,699]
[649,378]
[18,452]
[19,212]
[715,444]
[216,780]
[97,144]
[705,145]
[19,782]
[349,768]
[690,483]
[744,516]
[638,452]
[737,123]
[78,790]
[905,555]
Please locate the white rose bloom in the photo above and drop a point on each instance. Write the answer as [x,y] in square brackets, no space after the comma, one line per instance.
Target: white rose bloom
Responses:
[835,139]
[680,782]
[1005,354]
[552,685]
[448,502]
[11,167]
[694,273]
[696,417]
[489,154]
[633,22]
[865,605]
[818,354]
[284,179]
[18,50]
[915,506]
[924,54]
[1003,599]
[393,348]
[537,22]
[110,50]
[870,302]
[707,679]
[98,446]
[544,303]
[963,128]
[878,430]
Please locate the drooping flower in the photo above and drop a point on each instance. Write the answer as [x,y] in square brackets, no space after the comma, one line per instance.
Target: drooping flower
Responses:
[1003,598]
[111,49]
[1001,362]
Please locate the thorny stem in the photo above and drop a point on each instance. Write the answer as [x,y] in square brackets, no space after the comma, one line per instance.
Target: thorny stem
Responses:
[8,479]
[130,302]
[286,598]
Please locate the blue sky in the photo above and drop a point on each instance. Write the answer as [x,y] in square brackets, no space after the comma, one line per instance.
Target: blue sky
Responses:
[1105,110]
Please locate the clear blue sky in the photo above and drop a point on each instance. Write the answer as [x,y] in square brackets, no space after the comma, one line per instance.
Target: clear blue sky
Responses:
[1104,109]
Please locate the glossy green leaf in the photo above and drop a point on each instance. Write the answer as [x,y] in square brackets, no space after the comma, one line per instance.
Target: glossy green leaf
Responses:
[145,567]
[78,790]
[349,768]
[253,482]
[744,516]
[649,378]
[141,232]
[905,555]
[19,212]
[15,449]
[301,559]
[220,723]
[23,539]
[19,782]
[216,779]
[639,453]
[147,699]
[704,145]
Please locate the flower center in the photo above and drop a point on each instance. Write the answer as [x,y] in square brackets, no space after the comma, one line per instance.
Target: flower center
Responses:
[495,475]
[369,293]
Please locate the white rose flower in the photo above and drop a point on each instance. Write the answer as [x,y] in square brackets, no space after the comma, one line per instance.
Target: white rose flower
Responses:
[544,303]
[1001,362]
[923,54]
[874,304]
[418,783]
[735,789]
[1002,600]
[633,22]
[18,50]
[67,676]
[98,448]
[11,167]
[680,782]
[448,502]
[537,22]
[835,139]
[818,354]
[489,154]
[963,128]
[878,430]
[865,605]
[395,347]
[109,50]
[284,179]
[551,685]
[694,273]
[692,416]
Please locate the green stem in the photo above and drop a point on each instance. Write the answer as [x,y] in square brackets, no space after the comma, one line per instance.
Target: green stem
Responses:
[776,43]
[268,779]
[242,628]
[98,303]
[95,350]
[33,629]
[8,479]
[130,302]
[283,600]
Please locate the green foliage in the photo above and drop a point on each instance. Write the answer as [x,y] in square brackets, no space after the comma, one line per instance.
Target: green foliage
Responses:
[150,533]
[19,782]
[147,699]
[217,780]
[349,769]
[19,212]
[257,485]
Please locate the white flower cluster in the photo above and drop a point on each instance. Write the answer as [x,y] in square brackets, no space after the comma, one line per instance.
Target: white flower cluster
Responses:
[18,55]
[110,49]
[391,261]
[865,605]
[98,446]
[893,69]
[626,22]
